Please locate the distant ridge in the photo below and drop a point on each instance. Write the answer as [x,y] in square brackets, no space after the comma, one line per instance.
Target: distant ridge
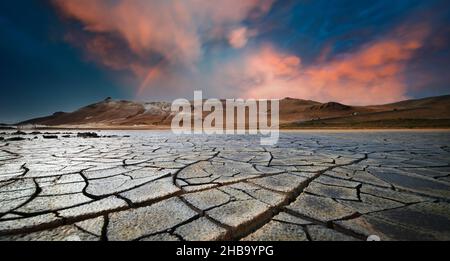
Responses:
[432,112]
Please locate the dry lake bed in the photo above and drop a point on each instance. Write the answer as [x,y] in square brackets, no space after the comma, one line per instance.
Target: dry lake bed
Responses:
[148,185]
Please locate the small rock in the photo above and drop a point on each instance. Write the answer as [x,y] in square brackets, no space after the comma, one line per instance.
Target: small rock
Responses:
[19,133]
[50,136]
[87,135]
[16,139]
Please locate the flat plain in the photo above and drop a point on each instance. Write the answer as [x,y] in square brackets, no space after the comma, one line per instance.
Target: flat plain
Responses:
[153,185]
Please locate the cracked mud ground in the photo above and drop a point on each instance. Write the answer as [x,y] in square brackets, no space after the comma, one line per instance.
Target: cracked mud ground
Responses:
[157,186]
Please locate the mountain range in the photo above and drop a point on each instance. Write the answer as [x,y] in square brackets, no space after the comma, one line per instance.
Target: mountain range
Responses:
[432,112]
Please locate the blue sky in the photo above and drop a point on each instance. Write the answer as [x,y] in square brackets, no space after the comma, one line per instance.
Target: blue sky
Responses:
[58,57]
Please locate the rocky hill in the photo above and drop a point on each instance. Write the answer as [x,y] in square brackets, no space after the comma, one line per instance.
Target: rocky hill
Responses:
[294,113]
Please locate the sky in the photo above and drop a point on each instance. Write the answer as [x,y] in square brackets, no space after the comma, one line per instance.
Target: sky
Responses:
[59,55]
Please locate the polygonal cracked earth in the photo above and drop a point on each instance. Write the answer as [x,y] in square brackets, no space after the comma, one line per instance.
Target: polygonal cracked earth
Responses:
[158,186]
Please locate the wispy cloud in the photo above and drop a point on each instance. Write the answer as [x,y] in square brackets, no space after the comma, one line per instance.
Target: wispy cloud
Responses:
[369,75]
[158,32]
[164,44]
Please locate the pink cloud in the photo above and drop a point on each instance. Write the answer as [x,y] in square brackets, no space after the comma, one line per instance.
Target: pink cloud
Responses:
[370,75]
[161,43]
[174,30]
[239,37]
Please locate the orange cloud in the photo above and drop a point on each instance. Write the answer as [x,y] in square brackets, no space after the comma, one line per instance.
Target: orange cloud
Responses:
[239,37]
[173,30]
[371,75]
[161,43]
